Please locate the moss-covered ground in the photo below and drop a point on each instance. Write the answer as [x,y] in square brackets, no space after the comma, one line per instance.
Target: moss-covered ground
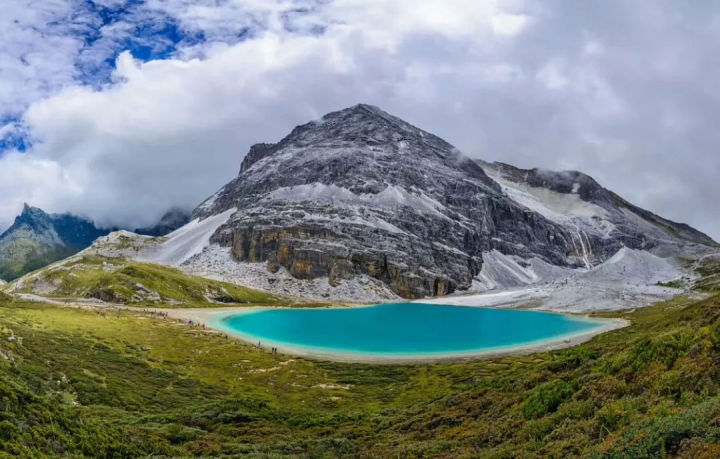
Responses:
[124,384]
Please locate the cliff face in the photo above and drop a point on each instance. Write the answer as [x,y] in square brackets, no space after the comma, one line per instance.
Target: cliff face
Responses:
[361,191]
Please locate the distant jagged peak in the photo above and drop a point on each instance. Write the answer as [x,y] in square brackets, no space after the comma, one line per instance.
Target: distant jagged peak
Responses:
[33,217]
[37,217]
[38,238]
[171,220]
[61,228]
[29,210]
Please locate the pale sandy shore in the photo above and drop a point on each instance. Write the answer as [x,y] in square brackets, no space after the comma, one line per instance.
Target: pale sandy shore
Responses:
[212,317]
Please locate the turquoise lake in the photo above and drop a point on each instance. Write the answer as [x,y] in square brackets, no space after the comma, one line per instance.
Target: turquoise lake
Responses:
[405,329]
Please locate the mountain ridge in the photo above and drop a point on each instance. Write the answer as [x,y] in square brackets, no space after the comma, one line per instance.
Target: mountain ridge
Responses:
[361,204]
[590,190]
[37,239]
[361,192]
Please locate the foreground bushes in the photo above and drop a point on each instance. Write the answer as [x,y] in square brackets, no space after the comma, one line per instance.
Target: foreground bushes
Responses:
[547,397]
[122,384]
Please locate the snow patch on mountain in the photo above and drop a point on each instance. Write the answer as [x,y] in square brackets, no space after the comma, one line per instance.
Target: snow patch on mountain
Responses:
[187,241]
[392,197]
[551,204]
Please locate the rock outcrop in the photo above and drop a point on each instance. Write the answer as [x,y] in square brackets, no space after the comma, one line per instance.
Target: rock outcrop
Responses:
[363,192]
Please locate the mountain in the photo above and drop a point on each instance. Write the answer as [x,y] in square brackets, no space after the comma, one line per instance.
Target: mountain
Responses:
[362,206]
[574,195]
[170,221]
[363,193]
[36,239]
[599,217]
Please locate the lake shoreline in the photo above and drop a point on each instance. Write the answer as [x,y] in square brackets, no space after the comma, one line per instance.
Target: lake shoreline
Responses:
[211,317]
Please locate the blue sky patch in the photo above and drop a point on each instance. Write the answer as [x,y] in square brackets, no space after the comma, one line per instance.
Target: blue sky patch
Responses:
[16,138]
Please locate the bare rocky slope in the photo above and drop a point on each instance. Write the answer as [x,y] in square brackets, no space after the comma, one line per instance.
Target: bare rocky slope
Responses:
[576,200]
[363,193]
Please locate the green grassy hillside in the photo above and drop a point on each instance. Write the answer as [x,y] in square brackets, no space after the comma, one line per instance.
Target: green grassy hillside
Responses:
[709,269]
[97,383]
[119,281]
[21,256]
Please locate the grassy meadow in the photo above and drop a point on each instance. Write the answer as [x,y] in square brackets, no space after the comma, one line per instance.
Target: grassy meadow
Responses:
[83,382]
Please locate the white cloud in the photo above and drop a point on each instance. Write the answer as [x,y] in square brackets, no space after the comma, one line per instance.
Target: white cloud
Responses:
[36,57]
[509,24]
[552,75]
[591,87]
[170,132]
[38,181]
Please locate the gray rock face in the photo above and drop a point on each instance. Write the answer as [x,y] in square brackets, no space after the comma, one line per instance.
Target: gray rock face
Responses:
[361,191]
[604,220]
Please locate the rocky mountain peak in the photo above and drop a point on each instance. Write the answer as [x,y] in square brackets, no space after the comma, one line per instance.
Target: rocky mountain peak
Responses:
[32,217]
[362,150]
[366,124]
[361,192]
[366,130]
[37,238]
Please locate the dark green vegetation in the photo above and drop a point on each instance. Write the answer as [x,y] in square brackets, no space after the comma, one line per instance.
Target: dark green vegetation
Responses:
[672,284]
[101,383]
[709,269]
[23,256]
[116,280]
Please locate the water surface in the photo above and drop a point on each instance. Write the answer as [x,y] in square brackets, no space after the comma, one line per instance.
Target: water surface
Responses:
[404,329]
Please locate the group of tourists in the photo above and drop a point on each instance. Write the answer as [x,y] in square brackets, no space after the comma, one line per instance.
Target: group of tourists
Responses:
[274,350]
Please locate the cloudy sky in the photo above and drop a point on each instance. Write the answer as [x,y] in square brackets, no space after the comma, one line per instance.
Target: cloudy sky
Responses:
[120,109]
